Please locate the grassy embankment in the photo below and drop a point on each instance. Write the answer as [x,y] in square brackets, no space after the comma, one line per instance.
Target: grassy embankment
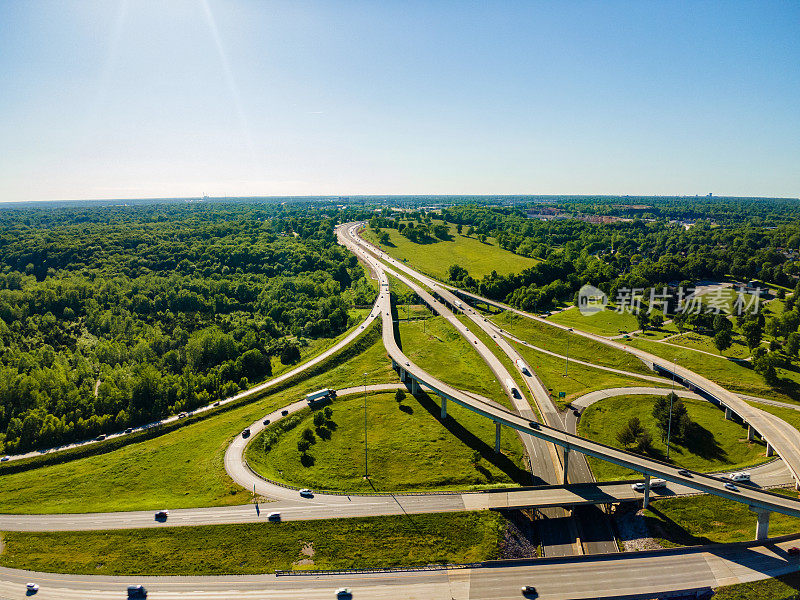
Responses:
[435,258]
[436,346]
[184,468]
[713,444]
[785,587]
[387,541]
[710,520]
[604,322]
[409,449]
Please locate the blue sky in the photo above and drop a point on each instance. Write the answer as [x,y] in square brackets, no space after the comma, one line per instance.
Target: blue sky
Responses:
[180,98]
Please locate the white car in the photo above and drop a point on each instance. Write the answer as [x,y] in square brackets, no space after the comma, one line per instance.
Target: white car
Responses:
[654,484]
[5,459]
[32,587]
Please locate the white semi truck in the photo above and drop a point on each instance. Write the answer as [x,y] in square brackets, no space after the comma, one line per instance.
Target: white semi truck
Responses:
[320,395]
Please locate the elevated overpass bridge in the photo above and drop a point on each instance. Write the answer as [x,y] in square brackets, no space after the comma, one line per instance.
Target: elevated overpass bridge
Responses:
[760,501]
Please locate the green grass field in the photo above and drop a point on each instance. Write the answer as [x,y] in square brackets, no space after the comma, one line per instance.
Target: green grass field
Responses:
[437,347]
[179,470]
[435,258]
[604,322]
[735,376]
[709,520]
[370,542]
[555,340]
[714,444]
[409,449]
[579,380]
[777,588]
[705,343]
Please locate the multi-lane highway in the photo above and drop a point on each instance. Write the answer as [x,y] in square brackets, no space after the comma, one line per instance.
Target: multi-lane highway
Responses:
[578,577]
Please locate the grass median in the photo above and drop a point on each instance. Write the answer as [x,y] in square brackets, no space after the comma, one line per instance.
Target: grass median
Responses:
[410,448]
[184,468]
[436,346]
[712,444]
[710,520]
[368,542]
[556,339]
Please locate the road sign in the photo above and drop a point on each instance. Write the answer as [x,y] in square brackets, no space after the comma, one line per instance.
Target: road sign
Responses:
[562,394]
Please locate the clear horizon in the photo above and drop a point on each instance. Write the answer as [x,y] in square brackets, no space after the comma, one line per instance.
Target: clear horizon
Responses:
[137,100]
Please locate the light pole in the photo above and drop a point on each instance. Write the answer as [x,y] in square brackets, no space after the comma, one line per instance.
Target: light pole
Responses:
[366,472]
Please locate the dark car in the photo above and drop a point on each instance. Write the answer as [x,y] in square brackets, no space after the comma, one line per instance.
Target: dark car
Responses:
[529,591]
[101,437]
[137,591]
[246,433]
[129,430]
[576,412]
[266,421]
[162,515]
[793,551]
[533,424]
[284,412]
[685,473]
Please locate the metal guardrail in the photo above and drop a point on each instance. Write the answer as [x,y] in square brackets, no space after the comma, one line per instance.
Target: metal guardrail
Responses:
[440,567]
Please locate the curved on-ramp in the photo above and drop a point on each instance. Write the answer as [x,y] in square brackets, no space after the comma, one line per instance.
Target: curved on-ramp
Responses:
[758,499]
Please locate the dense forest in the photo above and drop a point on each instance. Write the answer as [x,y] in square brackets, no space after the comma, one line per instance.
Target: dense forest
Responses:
[113,316]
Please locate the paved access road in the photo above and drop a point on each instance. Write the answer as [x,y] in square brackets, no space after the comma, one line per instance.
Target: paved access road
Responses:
[555,579]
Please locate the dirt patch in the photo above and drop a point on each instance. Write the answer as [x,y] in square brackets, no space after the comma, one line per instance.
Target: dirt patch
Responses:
[632,529]
[307,550]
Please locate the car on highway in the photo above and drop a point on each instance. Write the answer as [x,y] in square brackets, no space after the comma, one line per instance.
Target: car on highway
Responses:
[731,487]
[266,421]
[684,472]
[740,476]
[216,403]
[101,437]
[129,430]
[284,412]
[533,424]
[654,484]
[5,459]
[344,593]
[529,591]
[793,551]
[246,433]
[576,412]
[306,493]
[137,591]
[162,515]
[32,587]
[274,516]
[182,415]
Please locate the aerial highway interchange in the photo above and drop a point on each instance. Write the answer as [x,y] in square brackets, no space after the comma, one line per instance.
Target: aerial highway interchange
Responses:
[556,458]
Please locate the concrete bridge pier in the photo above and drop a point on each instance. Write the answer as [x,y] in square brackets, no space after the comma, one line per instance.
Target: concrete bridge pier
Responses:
[394,364]
[646,501]
[770,450]
[751,433]
[497,437]
[444,408]
[566,464]
[402,375]
[728,414]
[762,524]
[414,387]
